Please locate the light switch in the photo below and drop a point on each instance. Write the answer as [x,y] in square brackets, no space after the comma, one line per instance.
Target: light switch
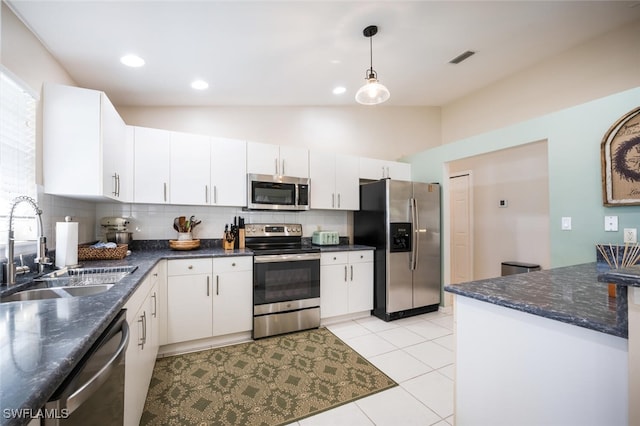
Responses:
[566,223]
[611,223]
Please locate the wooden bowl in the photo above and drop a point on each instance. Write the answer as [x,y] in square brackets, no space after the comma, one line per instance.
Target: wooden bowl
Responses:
[184,244]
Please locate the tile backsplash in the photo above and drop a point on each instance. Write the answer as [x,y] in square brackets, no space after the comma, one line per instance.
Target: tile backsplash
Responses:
[155,221]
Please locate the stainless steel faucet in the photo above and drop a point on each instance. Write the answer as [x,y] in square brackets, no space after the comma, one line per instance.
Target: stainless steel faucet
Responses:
[10,268]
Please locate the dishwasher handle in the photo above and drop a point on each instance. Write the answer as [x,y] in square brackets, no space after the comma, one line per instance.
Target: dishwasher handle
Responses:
[87,389]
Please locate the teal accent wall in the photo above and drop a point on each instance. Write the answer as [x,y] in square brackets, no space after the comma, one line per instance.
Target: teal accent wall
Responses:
[575,187]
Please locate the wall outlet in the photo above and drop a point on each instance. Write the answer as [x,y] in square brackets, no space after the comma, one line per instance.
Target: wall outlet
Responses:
[566,223]
[611,223]
[503,203]
[630,235]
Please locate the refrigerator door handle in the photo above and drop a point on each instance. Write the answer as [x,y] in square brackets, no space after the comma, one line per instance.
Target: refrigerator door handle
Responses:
[416,236]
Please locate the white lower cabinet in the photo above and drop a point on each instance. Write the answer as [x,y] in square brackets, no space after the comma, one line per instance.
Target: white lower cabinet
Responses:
[208,297]
[346,282]
[143,315]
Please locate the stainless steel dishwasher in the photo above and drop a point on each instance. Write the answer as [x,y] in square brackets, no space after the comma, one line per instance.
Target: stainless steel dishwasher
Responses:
[93,394]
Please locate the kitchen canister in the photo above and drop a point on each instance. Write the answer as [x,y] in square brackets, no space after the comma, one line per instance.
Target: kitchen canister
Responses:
[66,243]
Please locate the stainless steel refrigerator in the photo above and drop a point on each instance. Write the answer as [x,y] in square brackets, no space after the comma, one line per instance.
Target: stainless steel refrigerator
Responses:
[402,221]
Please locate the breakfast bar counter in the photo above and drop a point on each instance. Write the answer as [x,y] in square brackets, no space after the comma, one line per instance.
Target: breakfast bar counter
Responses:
[545,347]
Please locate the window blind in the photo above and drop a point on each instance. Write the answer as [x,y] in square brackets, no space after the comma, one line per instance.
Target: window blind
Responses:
[17,156]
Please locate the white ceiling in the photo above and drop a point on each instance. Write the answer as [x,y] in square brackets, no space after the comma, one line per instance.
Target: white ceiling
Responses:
[296,52]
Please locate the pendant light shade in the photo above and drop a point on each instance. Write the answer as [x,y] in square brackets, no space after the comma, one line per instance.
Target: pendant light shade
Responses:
[373,92]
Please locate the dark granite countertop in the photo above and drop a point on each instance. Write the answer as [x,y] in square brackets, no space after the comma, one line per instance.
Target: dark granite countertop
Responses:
[626,277]
[42,341]
[347,247]
[569,294]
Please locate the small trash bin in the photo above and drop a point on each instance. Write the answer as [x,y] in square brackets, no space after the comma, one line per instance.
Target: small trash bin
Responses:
[510,268]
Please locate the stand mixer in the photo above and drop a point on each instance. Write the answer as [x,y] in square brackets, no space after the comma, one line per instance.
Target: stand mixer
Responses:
[115,230]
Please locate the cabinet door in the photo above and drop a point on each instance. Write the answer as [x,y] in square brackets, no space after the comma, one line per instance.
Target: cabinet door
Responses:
[360,287]
[322,173]
[136,382]
[71,141]
[114,151]
[151,165]
[190,169]
[262,158]
[347,183]
[232,302]
[189,307]
[399,171]
[371,168]
[228,172]
[333,290]
[294,161]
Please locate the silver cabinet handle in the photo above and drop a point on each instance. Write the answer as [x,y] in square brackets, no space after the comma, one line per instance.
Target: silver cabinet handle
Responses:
[283,173]
[155,305]
[345,273]
[208,285]
[217,285]
[190,267]
[118,183]
[115,184]
[276,162]
[73,401]
[333,200]
[351,272]
[215,194]
[206,194]
[338,200]
[165,191]
[143,321]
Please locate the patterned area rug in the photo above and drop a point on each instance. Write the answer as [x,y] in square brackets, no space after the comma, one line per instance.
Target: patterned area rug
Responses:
[271,381]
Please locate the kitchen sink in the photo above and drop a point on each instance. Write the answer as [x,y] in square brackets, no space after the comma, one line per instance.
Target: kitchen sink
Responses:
[74,282]
[55,292]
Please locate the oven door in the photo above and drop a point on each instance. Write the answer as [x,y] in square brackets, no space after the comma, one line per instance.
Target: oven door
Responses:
[286,277]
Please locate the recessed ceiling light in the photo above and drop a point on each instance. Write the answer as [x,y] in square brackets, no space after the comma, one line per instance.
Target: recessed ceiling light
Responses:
[339,90]
[134,61]
[200,85]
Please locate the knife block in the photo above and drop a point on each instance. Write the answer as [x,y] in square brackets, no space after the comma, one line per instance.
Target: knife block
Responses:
[227,245]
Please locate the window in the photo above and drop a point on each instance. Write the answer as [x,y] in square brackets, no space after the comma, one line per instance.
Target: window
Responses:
[17,156]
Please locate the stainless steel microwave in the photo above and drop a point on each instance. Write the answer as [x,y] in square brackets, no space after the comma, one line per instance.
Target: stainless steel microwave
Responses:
[266,192]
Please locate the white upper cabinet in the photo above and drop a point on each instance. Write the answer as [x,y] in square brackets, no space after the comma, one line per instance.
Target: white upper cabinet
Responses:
[84,145]
[228,172]
[267,159]
[190,169]
[374,169]
[334,181]
[152,162]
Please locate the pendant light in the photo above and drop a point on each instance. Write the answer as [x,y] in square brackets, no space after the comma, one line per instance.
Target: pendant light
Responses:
[373,92]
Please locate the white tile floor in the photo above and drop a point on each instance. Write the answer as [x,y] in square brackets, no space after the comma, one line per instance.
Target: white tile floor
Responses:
[417,353]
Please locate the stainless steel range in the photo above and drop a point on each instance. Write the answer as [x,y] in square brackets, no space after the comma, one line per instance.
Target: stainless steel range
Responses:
[286,279]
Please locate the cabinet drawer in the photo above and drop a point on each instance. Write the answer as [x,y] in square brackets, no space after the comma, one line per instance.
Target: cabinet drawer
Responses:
[231,264]
[334,258]
[361,256]
[189,267]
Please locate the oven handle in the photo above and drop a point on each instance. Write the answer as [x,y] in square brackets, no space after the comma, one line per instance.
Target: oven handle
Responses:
[273,258]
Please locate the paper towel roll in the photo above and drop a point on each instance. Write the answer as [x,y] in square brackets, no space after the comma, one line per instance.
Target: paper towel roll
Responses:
[66,244]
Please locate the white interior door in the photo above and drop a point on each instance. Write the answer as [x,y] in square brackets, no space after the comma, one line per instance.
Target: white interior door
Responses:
[461,235]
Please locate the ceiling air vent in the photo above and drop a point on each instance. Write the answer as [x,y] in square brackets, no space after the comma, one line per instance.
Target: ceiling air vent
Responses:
[462,57]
